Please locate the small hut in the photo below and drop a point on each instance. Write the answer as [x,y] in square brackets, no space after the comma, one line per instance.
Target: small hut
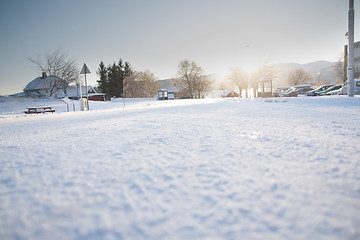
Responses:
[264,87]
[164,94]
[228,94]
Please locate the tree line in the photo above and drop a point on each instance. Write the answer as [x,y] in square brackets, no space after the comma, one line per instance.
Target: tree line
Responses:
[111,80]
[244,81]
[121,80]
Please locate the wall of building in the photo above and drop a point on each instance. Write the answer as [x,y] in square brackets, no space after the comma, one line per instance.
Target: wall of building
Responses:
[357,59]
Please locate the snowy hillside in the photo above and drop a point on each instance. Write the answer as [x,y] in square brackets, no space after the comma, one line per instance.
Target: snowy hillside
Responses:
[182,169]
[313,66]
[321,71]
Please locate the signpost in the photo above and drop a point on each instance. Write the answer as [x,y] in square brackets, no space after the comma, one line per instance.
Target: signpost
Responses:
[84,71]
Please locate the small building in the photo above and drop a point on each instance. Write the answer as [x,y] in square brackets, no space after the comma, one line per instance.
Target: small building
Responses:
[172,86]
[229,94]
[44,86]
[264,87]
[95,96]
[50,86]
[73,92]
[164,94]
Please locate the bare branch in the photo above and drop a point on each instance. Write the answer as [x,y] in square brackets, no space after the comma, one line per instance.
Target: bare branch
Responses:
[61,70]
[299,76]
[195,84]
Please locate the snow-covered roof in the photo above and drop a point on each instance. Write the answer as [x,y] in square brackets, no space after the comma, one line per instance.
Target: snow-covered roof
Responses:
[40,83]
[171,85]
[226,93]
[74,91]
[34,88]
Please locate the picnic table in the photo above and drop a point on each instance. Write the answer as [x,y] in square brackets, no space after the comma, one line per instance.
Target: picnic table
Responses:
[39,110]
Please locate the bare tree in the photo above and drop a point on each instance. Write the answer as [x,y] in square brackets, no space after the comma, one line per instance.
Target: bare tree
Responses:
[61,70]
[69,74]
[194,82]
[149,85]
[130,85]
[340,70]
[141,84]
[299,76]
[222,87]
[239,78]
[266,70]
[203,86]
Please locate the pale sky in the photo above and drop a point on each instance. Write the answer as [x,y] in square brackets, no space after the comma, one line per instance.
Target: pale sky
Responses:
[156,35]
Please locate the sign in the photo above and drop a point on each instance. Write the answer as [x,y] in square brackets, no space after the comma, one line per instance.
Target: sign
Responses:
[85,69]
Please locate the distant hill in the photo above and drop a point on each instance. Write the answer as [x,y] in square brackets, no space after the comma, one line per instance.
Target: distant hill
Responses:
[322,71]
[313,66]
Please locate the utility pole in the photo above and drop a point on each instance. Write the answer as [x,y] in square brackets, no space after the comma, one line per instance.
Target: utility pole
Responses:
[351,50]
[123,94]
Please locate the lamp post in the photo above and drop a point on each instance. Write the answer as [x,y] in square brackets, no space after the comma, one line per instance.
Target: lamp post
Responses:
[350,69]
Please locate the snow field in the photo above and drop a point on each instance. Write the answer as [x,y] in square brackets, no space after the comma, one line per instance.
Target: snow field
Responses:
[192,169]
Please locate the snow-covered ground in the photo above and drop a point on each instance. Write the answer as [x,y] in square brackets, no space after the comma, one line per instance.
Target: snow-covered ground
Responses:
[182,169]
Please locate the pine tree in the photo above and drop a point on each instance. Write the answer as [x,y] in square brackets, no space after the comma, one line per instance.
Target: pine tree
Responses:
[115,88]
[111,80]
[103,81]
[126,72]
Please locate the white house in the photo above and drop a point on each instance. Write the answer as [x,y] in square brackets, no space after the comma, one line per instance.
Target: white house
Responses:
[49,86]
[171,86]
[44,86]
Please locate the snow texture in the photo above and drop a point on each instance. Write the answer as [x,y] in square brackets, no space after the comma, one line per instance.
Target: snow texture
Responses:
[181,169]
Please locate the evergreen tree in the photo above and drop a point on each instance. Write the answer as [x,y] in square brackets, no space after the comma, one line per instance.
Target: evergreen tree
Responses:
[112,78]
[126,72]
[103,81]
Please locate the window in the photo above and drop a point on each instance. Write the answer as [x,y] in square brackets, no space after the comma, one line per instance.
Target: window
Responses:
[267,86]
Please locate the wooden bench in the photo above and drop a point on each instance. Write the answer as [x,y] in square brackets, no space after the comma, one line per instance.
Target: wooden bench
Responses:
[36,110]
